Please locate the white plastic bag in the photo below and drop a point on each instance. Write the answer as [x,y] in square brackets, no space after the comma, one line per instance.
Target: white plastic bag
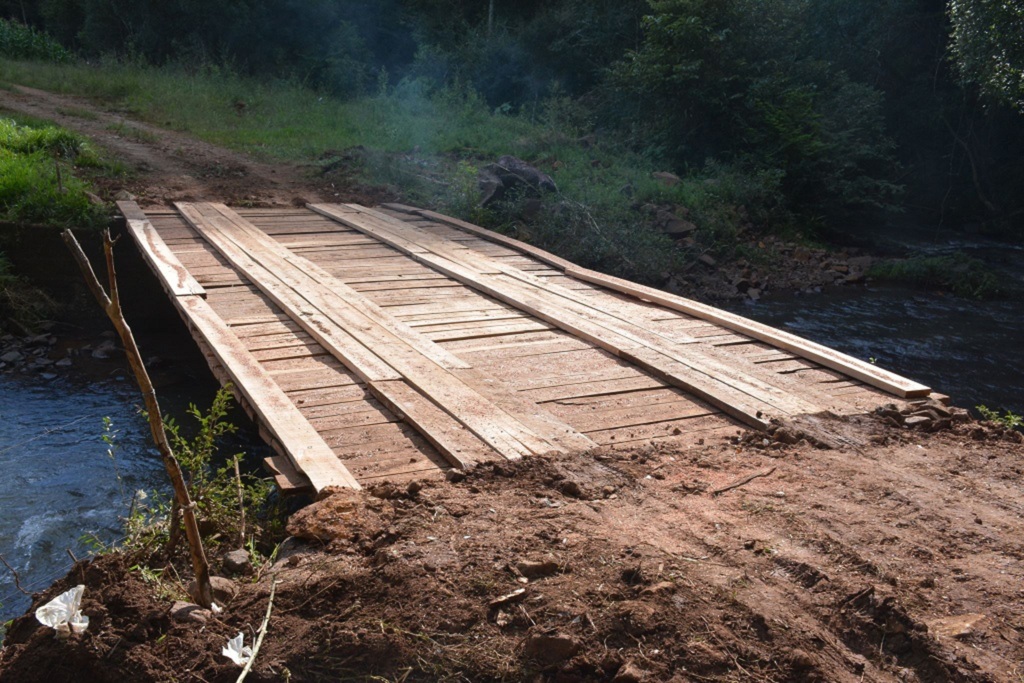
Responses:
[64,613]
[236,651]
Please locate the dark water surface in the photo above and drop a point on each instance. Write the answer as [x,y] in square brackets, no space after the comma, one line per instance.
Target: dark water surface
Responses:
[971,350]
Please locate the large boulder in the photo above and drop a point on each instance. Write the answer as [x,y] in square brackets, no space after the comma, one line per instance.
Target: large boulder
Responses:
[510,175]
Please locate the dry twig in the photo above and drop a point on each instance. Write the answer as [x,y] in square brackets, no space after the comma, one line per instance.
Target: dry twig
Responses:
[742,482]
[17,579]
[262,632]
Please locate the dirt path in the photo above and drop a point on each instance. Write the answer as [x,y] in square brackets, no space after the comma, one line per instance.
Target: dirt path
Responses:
[898,559]
[171,166]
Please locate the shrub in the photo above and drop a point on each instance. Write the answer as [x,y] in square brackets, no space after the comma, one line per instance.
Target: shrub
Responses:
[957,273]
[18,41]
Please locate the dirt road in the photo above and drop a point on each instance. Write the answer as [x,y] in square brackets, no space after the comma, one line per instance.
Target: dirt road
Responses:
[169,166]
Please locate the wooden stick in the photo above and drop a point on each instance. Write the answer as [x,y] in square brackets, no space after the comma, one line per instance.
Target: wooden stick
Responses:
[17,579]
[112,307]
[742,482]
[262,632]
[241,505]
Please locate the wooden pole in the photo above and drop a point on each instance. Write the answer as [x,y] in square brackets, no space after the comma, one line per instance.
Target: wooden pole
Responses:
[111,305]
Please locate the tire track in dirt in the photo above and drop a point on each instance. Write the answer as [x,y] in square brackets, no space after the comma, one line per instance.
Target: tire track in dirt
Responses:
[169,165]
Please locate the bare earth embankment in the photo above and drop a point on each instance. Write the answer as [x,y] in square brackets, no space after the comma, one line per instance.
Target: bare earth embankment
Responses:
[896,557]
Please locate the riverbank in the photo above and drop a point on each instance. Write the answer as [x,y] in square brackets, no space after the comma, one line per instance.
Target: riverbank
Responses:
[892,559]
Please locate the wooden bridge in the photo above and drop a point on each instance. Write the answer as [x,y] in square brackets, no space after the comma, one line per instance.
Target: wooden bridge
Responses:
[398,343]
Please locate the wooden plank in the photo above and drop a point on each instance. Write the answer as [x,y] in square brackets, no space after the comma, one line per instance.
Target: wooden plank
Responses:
[699,376]
[299,285]
[174,277]
[818,353]
[302,444]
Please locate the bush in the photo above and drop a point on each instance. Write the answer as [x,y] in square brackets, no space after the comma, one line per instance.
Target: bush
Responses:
[957,273]
[18,41]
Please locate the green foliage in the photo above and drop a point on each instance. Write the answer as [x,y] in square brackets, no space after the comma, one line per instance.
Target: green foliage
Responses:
[210,477]
[957,273]
[988,47]
[1007,419]
[732,80]
[36,183]
[18,41]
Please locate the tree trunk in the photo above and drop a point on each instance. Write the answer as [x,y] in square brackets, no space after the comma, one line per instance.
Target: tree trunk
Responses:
[112,307]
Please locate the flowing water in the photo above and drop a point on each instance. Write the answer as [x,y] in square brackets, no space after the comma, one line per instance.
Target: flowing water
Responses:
[60,490]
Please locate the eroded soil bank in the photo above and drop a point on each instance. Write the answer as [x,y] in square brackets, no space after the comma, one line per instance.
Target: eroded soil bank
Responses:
[894,558]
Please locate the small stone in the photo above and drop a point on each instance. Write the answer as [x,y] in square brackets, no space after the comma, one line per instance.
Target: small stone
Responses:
[959,626]
[455,476]
[12,357]
[104,350]
[224,590]
[64,363]
[607,491]
[916,421]
[659,588]
[188,612]
[413,488]
[537,569]
[513,597]
[551,649]
[678,228]
[571,488]
[630,673]
[783,435]
[708,260]
[237,562]
[124,196]
[667,179]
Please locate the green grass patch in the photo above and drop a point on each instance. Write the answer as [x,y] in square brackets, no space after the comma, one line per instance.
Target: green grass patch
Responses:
[37,183]
[957,273]
[78,113]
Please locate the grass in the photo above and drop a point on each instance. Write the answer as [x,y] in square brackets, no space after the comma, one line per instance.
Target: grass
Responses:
[957,273]
[37,184]
[428,145]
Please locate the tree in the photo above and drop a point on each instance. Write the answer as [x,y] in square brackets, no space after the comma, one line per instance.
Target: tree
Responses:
[988,47]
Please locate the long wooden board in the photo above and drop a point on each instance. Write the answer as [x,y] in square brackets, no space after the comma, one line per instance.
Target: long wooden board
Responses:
[299,286]
[301,442]
[745,397]
[830,358]
[174,277]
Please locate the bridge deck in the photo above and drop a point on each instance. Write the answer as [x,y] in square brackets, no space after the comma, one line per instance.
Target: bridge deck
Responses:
[397,343]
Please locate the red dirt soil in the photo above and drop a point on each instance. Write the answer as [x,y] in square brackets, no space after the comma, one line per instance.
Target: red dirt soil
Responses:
[897,558]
